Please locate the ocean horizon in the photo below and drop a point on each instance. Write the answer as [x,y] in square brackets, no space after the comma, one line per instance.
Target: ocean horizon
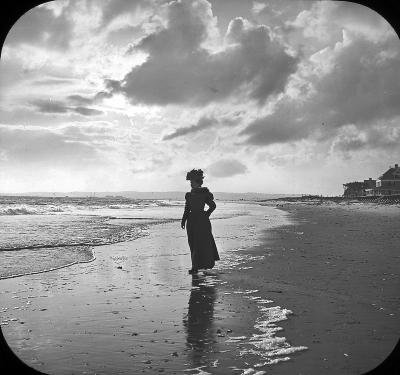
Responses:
[173,195]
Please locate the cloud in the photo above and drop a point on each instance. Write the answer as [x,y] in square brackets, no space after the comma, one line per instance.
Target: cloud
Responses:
[53,82]
[203,123]
[111,86]
[350,83]
[96,134]
[84,111]
[151,164]
[44,146]
[54,106]
[280,127]
[50,106]
[360,87]
[325,20]
[180,70]
[41,26]
[258,7]
[124,35]
[350,139]
[116,8]
[79,99]
[226,168]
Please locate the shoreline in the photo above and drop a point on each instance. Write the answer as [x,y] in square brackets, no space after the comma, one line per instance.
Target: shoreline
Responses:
[84,249]
[152,314]
[298,282]
[336,266]
[93,258]
[316,199]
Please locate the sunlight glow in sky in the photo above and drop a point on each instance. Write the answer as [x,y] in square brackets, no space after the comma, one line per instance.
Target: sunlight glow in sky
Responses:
[265,96]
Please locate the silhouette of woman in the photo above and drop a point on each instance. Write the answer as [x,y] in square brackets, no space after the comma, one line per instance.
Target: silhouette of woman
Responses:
[203,250]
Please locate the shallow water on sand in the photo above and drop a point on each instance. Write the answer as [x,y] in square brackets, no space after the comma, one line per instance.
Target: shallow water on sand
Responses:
[135,309]
[40,234]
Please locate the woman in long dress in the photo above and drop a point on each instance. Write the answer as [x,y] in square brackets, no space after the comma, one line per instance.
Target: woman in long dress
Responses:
[203,250]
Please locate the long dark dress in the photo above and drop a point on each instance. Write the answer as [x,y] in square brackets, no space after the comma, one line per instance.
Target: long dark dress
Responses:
[203,249]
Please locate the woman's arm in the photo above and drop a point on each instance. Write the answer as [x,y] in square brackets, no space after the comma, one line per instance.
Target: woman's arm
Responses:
[185,212]
[211,204]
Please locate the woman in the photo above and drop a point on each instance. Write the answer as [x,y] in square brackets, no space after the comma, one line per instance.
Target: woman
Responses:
[201,241]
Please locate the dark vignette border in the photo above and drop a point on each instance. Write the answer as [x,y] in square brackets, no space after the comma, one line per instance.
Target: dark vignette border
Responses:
[12,10]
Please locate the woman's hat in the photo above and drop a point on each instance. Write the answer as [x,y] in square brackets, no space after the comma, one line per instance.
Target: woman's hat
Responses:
[195,174]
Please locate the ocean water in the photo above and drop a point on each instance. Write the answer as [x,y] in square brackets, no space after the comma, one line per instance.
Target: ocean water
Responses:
[39,234]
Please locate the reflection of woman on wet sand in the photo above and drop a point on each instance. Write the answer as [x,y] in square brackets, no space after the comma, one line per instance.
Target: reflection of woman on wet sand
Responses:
[201,241]
[199,321]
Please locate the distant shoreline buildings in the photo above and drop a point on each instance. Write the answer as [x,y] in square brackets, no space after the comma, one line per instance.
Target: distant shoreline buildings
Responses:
[387,184]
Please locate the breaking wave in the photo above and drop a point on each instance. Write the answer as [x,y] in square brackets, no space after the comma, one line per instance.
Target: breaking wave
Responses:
[27,210]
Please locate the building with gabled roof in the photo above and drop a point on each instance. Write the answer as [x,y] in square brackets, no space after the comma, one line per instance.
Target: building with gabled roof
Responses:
[388,183]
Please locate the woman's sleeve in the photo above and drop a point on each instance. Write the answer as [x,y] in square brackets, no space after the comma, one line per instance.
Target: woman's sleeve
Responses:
[210,203]
[187,209]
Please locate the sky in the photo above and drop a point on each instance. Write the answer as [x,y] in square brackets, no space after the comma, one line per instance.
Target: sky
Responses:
[265,96]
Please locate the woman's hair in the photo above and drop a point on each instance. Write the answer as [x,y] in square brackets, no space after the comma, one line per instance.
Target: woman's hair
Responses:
[195,175]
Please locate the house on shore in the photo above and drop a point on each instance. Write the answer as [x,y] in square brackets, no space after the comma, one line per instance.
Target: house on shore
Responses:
[387,184]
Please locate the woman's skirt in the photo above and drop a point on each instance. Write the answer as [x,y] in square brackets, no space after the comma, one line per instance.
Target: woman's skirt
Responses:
[203,249]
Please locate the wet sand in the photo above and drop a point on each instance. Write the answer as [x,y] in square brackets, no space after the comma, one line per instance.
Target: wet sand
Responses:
[135,308]
[337,267]
[329,280]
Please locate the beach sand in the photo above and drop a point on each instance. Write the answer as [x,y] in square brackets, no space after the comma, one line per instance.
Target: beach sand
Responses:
[337,268]
[329,279]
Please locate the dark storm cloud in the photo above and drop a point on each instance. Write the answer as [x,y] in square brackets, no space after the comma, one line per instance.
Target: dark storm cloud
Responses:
[226,168]
[53,106]
[179,70]
[359,90]
[203,123]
